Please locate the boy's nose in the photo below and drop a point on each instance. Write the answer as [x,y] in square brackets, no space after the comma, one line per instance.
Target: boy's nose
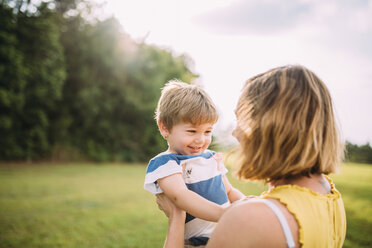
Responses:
[199,139]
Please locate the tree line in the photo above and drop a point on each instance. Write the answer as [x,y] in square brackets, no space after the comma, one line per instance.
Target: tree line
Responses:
[75,87]
[358,154]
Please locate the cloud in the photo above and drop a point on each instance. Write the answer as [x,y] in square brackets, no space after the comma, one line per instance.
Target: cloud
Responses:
[265,16]
[336,24]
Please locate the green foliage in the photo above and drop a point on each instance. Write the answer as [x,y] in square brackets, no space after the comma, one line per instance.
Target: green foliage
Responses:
[12,85]
[111,91]
[32,75]
[85,205]
[358,154]
[73,89]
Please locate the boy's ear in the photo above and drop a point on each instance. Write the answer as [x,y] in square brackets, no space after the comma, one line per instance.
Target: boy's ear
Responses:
[163,130]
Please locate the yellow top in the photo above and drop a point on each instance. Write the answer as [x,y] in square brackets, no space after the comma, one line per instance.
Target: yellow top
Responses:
[321,218]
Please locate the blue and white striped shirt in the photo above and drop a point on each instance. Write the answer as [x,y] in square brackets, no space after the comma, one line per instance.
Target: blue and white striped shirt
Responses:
[202,174]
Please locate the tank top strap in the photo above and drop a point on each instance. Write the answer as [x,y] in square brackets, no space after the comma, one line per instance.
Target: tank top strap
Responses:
[282,220]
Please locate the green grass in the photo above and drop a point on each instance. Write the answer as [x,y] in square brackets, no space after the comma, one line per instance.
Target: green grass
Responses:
[355,184]
[78,206]
[88,205]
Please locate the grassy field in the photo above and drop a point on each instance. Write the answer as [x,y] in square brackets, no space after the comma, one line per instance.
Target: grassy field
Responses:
[87,205]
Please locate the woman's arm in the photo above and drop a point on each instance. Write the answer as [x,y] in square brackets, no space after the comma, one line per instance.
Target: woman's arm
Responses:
[175,189]
[232,193]
[176,225]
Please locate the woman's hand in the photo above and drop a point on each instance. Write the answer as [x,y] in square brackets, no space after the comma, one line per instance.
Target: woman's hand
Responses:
[167,206]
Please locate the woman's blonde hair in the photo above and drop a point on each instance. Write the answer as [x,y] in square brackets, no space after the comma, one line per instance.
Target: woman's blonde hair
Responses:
[286,126]
[181,102]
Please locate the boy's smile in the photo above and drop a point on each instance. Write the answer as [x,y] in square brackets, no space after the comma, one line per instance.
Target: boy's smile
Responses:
[188,139]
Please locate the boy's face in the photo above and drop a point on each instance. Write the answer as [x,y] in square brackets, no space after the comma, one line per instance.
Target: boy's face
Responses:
[188,139]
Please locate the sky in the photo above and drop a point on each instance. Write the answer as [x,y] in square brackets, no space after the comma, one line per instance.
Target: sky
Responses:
[230,41]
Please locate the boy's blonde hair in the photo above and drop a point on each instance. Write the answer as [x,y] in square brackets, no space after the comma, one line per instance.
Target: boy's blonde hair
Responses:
[287,126]
[181,102]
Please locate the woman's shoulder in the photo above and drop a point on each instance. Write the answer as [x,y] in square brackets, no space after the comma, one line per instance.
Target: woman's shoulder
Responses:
[248,223]
[247,207]
[251,213]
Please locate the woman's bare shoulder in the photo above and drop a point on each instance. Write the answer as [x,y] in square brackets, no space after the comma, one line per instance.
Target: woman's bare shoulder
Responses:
[248,223]
[247,208]
[250,214]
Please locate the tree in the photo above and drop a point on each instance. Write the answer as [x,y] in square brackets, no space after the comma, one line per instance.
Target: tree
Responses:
[31,95]
[359,154]
[12,85]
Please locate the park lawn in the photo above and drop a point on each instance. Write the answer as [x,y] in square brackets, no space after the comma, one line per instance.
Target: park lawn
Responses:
[90,205]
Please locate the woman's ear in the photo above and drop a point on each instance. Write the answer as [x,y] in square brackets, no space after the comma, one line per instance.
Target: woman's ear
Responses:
[163,130]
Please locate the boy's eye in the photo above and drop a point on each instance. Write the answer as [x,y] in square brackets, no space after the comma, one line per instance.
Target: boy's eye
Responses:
[191,131]
[208,132]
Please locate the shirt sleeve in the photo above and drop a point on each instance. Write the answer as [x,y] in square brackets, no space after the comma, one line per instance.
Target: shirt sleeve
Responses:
[220,164]
[224,170]
[158,168]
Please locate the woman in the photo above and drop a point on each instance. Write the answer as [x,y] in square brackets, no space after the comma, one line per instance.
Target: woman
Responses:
[288,138]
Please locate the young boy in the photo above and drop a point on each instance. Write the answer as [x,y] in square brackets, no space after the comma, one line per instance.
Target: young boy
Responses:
[189,174]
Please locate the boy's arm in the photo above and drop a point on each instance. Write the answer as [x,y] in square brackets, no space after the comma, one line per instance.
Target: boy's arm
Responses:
[232,193]
[175,189]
